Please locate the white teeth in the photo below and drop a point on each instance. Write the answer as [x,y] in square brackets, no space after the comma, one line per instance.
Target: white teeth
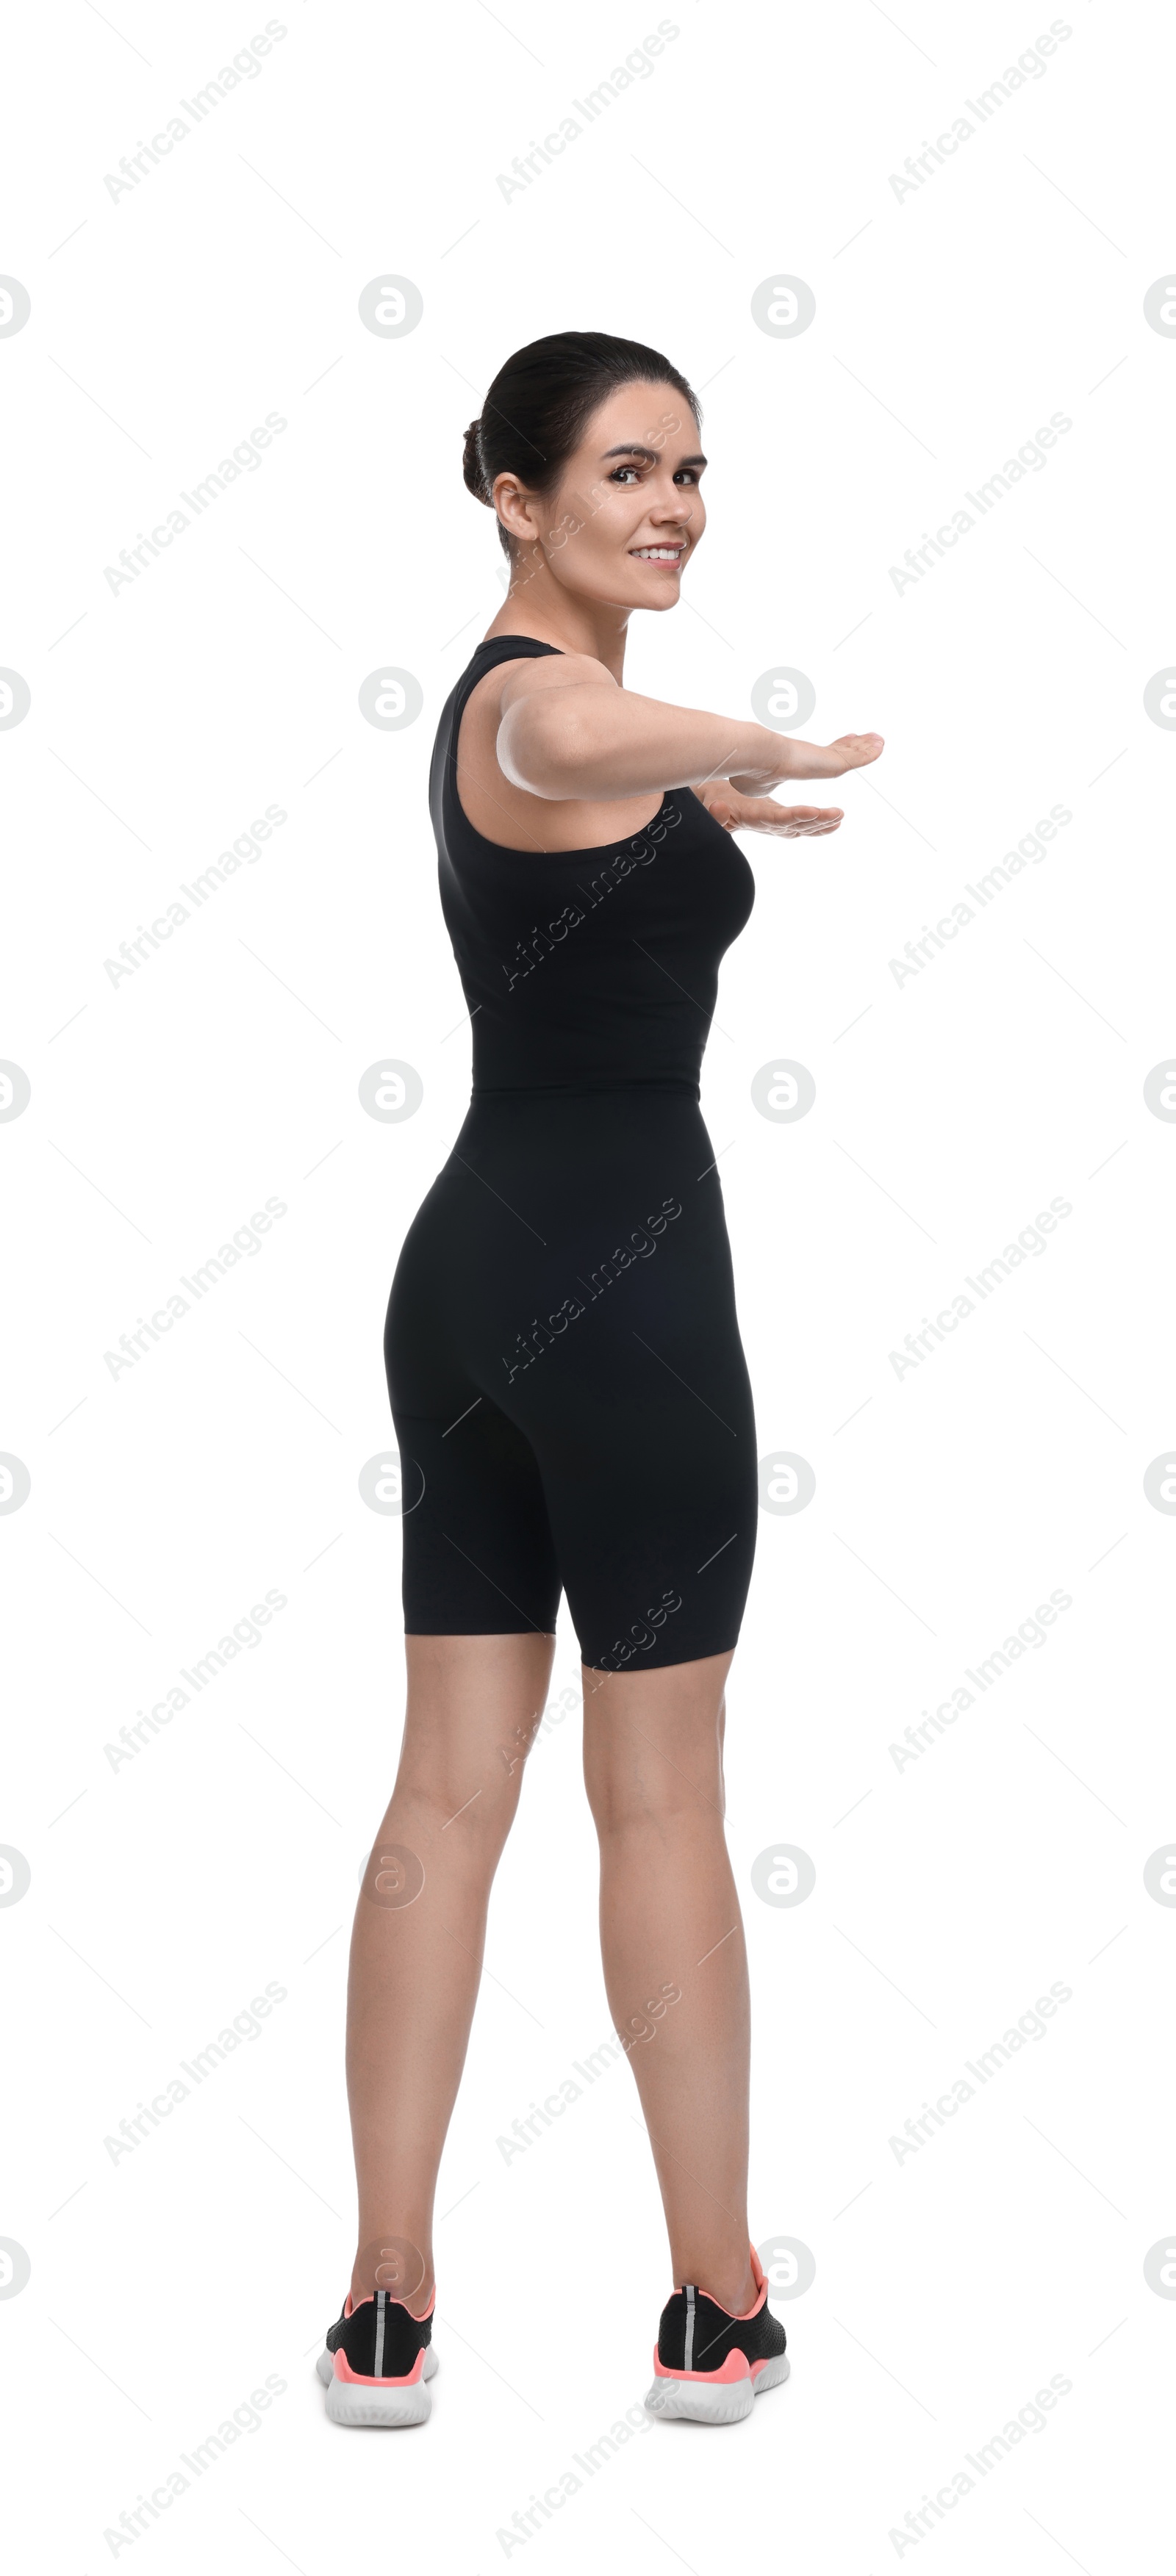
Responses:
[658,554]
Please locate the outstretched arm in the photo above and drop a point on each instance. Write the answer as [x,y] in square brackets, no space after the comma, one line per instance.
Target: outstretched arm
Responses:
[567,730]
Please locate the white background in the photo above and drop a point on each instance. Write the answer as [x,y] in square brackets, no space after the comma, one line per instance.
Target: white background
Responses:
[950,1893]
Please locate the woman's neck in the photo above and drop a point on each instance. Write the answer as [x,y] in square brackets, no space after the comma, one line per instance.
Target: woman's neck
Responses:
[538,605]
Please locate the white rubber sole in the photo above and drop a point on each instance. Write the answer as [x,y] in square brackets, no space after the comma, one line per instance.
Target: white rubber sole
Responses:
[717,2402]
[353,2402]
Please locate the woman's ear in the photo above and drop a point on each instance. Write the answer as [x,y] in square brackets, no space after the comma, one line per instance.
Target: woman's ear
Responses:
[513,506]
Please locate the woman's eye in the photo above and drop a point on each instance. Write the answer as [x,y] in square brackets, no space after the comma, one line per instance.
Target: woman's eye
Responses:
[621,469]
[686,474]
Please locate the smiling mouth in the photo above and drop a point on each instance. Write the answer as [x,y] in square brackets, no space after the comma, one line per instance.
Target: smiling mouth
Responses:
[670,554]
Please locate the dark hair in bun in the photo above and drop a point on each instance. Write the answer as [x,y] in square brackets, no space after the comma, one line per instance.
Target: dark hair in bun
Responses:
[540,402]
[470,465]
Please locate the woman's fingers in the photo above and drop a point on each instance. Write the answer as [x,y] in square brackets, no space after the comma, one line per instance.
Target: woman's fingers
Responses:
[850,751]
[812,760]
[762,814]
[793,822]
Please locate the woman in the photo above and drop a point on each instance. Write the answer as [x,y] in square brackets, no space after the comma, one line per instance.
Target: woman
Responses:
[568,1386]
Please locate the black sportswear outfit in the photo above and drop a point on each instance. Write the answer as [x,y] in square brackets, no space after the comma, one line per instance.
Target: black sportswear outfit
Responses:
[568,1385]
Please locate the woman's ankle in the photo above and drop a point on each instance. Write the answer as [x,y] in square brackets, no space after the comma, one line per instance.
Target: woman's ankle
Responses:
[730,2283]
[418,2302]
[400,2264]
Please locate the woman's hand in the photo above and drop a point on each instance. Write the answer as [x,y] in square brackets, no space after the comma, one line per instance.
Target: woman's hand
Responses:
[789,759]
[739,813]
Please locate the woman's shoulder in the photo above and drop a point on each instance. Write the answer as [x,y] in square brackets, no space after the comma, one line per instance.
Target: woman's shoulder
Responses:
[528,667]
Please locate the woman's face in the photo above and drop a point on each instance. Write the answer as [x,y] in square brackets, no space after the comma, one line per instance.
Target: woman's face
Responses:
[628,510]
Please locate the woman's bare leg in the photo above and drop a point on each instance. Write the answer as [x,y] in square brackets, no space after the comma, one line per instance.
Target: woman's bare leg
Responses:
[416,1950]
[671,1937]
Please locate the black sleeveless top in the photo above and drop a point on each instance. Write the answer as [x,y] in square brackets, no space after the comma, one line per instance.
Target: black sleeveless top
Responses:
[585,969]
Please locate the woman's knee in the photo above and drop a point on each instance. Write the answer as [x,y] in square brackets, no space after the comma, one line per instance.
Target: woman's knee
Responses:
[654,1800]
[453,1806]
[653,1753]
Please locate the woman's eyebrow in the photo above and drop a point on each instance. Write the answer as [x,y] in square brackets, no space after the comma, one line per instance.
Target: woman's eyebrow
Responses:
[650,455]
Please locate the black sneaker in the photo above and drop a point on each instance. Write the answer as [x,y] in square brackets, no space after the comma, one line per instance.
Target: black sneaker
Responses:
[376,2362]
[710,2365]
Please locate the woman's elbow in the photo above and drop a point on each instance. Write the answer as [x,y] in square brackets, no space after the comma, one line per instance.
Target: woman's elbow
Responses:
[540,748]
